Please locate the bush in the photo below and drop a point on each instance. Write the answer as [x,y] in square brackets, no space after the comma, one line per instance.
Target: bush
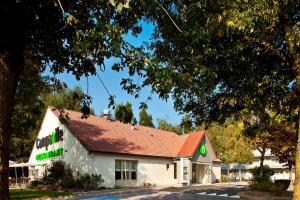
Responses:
[266,176]
[57,170]
[67,181]
[59,174]
[36,183]
[87,181]
[267,187]
[283,183]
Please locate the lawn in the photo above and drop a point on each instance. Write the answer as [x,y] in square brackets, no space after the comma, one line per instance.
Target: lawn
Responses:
[27,194]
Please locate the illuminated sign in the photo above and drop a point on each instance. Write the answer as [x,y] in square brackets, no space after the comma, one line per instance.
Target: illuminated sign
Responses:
[55,136]
[50,154]
[202,150]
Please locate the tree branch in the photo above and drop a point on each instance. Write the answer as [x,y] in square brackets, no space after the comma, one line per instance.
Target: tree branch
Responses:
[268,47]
[169,16]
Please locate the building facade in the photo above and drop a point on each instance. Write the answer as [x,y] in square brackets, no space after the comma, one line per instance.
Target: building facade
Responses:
[234,171]
[123,154]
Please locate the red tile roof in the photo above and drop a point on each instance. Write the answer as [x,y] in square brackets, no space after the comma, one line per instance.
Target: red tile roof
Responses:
[100,135]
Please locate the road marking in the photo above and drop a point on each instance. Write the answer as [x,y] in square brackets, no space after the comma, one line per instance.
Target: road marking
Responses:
[202,193]
[219,195]
[235,196]
[212,194]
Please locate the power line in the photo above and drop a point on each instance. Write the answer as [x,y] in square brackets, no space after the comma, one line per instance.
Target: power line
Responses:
[103,84]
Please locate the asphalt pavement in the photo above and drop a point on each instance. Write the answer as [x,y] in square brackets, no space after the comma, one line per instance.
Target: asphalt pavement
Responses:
[199,192]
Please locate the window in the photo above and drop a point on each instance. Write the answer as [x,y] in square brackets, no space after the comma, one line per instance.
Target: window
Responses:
[175,170]
[125,170]
[118,170]
[185,173]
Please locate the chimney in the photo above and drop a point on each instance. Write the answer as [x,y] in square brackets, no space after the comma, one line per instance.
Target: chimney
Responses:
[133,122]
[106,115]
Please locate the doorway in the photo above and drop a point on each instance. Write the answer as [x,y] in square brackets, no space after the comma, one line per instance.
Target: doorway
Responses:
[200,173]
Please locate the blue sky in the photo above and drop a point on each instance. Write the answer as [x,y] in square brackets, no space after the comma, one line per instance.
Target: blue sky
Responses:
[157,107]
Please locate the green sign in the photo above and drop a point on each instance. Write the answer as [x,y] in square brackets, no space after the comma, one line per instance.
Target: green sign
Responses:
[202,150]
[50,154]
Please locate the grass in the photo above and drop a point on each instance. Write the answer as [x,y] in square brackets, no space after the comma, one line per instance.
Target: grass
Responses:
[27,194]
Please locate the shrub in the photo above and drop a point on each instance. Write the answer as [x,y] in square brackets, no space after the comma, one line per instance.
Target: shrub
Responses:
[61,175]
[57,170]
[67,181]
[35,183]
[87,181]
[283,183]
[266,176]
[267,187]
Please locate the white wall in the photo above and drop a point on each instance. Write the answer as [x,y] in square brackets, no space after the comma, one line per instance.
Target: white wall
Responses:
[149,169]
[216,171]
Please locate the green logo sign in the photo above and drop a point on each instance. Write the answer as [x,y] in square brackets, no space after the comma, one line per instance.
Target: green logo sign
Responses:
[202,150]
[50,154]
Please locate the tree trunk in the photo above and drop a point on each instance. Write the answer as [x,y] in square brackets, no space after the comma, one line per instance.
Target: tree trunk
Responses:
[297,159]
[12,42]
[9,76]
[262,158]
[290,173]
[240,173]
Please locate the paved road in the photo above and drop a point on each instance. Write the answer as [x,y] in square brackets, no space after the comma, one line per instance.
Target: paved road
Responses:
[208,192]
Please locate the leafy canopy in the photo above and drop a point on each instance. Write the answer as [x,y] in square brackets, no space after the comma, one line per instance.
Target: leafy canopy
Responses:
[145,118]
[124,113]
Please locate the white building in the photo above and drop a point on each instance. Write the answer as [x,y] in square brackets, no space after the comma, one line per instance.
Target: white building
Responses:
[281,171]
[123,154]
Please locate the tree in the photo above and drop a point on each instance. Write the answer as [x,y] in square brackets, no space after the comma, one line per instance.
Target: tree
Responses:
[64,98]
[163,124]
[229,58]
[283,142]
[230,145]
[145,118]
[73,36]
[124,113]
[186,124]
[27,113]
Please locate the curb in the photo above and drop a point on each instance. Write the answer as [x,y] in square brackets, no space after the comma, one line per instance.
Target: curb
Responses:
[267,197]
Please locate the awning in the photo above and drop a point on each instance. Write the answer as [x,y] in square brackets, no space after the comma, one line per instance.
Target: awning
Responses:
[28,164]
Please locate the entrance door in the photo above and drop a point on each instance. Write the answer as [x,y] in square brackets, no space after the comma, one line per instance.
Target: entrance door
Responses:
[195,173]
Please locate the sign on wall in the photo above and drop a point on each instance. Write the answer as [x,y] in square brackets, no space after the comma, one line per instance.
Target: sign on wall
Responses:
[50,154]
[53,138]
[202,150]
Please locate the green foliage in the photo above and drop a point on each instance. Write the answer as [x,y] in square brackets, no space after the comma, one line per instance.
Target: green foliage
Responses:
[124,113]
[266,176]
[145,118]
[186,124]
[28,112]
[229,143]
[163,124]
[59,173]
[283,183]
[26,194]
[87,181]
[57,170]
[35,183]
[267,187]
[70,99]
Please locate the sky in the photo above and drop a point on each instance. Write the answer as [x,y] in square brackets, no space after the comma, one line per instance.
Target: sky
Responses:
[158,108]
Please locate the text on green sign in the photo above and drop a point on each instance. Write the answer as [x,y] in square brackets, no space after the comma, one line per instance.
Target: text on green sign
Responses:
[50,154]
